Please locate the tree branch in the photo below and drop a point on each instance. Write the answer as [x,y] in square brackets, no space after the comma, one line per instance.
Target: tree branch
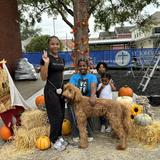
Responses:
[93,7]
[64,18]
[62,14]
[66,8]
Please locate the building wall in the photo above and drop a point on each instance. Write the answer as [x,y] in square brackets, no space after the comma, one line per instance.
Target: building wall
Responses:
[125,35]
[147,43]
[10,43]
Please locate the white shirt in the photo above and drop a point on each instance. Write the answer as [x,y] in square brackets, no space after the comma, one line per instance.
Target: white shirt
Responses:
[106,92]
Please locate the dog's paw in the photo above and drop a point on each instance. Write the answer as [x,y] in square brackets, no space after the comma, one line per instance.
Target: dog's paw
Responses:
[120,147]
[83,146]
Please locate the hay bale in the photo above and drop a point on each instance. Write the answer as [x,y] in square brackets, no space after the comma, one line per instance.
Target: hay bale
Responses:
[148,135]
[33,118]
[25,139]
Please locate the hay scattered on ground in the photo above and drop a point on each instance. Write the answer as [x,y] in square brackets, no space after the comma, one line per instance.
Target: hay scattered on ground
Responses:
[148,135]
[9,151]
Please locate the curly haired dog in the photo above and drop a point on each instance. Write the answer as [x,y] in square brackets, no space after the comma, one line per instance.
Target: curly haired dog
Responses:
[117,114]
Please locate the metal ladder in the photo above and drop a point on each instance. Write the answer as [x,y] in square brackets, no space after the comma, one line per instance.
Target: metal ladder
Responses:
[150,70]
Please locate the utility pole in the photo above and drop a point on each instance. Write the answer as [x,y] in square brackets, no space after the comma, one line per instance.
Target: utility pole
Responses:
[54,27]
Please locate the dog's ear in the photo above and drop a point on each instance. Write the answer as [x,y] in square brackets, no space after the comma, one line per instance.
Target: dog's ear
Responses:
[77,95]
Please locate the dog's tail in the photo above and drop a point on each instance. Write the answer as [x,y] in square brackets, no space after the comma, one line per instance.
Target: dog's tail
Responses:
[126,118]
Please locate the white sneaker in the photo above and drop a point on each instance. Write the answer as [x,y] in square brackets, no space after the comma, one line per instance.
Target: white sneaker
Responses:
[63,141]
[109,129]
[75,139]
[59,146]
[103,129]
[90,139]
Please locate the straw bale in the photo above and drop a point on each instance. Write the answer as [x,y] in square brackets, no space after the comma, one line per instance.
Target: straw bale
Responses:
[33,118]
[25,139]
[148,135]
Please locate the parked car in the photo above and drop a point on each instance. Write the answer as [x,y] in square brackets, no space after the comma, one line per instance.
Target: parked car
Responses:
[25,70]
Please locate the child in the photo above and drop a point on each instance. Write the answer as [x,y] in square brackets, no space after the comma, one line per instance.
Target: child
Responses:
[104,90]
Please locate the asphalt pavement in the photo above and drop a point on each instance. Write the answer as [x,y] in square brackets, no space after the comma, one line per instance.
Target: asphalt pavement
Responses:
[27,88]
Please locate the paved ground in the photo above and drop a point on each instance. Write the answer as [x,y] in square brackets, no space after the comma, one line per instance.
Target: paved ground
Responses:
[28,88]
[103,147]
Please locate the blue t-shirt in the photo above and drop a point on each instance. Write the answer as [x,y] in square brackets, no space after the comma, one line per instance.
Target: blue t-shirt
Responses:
[83,82]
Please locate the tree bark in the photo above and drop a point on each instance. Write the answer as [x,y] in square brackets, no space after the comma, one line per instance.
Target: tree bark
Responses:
[80,30]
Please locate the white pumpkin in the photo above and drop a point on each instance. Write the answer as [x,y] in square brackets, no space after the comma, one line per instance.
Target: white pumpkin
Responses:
[143,119]
[125,99]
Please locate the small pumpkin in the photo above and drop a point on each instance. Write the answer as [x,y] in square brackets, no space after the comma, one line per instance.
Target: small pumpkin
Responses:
[125,91]
[40,101]
[143,119]
[66,127]
[125,99]
[136,109]
[43,143]
[5,133]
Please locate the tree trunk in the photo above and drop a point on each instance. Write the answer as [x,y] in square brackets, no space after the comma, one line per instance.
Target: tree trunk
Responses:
[80,30]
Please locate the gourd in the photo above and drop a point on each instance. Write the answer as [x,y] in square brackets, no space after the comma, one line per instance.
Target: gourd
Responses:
[143,119]
[125,91]
[136,109]
[66,127]
[40,101]
[43,143]
[125,99]
[5,133]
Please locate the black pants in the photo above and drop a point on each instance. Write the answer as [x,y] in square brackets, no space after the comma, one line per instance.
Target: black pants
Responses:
[55,110]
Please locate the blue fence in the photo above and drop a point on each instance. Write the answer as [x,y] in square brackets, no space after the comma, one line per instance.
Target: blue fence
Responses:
[114,58]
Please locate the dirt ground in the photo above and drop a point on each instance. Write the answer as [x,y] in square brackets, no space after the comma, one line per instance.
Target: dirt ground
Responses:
[103,146]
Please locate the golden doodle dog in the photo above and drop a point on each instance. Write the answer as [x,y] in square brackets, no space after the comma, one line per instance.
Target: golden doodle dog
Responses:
[117,114]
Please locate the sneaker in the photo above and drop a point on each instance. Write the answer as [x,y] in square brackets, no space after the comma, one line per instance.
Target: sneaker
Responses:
[103,129]
[63,141]
[90,139]
[109,129]
[59,146]
[75,139]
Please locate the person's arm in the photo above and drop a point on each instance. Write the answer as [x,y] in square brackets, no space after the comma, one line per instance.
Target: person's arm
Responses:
[92,99]
[112,85]
[44,68]
[100,88]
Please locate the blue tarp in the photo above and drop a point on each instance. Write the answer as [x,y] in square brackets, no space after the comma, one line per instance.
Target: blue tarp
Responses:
[113,58]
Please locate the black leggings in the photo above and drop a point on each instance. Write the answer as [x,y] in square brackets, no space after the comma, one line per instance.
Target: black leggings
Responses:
[55,109]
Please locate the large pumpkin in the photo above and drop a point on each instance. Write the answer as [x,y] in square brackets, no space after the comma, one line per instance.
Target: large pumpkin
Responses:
[5,133]
[125,99]
[40,102]
[43,143]
[66,127]
[125,91]
[143,119]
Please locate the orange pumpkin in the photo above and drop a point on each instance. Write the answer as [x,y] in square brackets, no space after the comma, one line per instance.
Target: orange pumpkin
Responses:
[40,102]
[43,142]
[66,127]
[125,91]
[5,133]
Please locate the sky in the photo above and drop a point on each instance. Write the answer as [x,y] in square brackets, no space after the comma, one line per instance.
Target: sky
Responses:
[62,30]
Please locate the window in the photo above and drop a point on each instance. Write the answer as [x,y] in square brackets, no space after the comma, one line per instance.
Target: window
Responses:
[156,30]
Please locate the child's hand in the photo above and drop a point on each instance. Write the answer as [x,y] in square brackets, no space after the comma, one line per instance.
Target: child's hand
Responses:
[45,57]
[110,81]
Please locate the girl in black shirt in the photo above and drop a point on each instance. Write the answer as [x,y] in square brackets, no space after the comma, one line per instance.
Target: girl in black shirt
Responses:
[52,67]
